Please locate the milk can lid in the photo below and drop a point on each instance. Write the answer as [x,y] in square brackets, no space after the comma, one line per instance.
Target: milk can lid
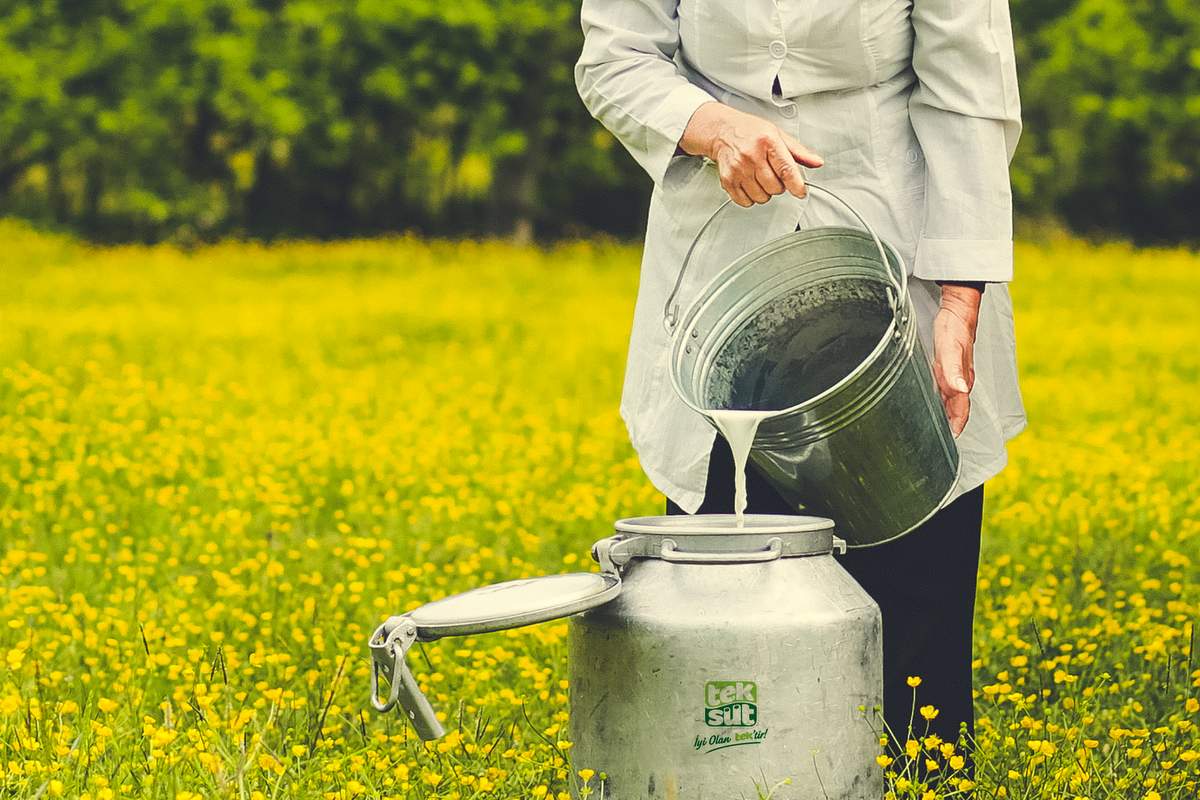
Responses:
[718,539]
[513,604]
[724,524]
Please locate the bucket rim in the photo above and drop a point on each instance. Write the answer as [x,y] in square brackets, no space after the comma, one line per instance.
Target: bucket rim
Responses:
[705,295]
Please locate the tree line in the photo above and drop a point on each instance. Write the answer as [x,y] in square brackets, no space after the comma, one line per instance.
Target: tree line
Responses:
[194,119]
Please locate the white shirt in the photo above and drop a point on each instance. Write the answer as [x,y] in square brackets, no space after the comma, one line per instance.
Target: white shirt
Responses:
[912,104]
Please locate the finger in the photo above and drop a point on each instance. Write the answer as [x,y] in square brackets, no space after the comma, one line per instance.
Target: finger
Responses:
[952,368]
[767,179]
[953,388]
[738,196]
[782,164]
[733,188]
[958,411]
[801,153]
[754,190]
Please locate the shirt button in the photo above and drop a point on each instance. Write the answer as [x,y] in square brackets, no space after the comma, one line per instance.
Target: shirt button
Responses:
[789,110]
[778,49]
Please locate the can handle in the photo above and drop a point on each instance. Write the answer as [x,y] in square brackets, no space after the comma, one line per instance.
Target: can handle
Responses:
[670,552]
[671,308]
[389,646]
[613,553]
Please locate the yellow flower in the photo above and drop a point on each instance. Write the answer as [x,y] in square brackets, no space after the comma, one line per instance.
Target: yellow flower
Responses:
[209,502]
[586,774]
[1042,747]
[269,763]
[914,681]
[929,713]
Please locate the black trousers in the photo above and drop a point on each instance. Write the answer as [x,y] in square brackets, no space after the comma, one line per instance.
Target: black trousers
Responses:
[925,586]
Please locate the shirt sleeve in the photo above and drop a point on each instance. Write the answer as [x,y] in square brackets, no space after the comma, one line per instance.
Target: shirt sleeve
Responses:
[628,79]
[966,112]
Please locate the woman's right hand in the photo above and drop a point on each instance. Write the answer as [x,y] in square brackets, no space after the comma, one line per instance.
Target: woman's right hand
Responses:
[755,159]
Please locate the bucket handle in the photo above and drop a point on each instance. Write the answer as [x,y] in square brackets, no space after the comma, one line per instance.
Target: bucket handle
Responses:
[671,308]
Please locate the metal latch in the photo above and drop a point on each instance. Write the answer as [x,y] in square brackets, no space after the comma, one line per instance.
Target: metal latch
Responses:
[389,647]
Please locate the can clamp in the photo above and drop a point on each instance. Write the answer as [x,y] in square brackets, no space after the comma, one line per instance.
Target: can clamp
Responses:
[389,645]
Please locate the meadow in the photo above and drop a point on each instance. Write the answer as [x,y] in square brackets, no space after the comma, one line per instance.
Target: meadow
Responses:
[221,468]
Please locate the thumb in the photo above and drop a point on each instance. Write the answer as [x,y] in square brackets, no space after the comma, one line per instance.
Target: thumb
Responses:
[801,153]
[953,368]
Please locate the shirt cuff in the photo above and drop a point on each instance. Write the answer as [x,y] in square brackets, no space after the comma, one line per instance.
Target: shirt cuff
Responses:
[979,286]
[987,260]
[666,124]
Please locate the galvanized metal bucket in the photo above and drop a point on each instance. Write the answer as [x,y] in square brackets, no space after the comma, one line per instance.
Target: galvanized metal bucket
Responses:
[818,325]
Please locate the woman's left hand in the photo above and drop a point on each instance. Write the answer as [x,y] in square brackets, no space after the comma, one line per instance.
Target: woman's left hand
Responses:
[954,351]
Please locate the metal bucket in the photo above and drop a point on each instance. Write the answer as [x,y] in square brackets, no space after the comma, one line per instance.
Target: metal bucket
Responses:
[818,325]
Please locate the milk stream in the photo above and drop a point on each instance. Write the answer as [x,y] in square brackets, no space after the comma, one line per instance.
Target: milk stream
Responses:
[739,426]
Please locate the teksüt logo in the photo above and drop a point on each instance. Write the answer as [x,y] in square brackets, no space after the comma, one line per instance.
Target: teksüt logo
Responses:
[730,704]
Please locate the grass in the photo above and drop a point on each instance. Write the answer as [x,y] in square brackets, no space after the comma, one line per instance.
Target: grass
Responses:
[219,470]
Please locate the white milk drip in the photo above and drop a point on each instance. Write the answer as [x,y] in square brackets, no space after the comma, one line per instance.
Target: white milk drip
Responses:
[739,426]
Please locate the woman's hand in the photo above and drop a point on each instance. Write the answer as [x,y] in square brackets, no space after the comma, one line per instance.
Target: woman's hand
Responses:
[756,160]
[954,351]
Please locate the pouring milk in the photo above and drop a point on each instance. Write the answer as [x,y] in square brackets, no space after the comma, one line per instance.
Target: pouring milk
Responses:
[739,426]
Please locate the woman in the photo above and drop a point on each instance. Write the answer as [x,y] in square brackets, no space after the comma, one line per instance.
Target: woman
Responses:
[909,110]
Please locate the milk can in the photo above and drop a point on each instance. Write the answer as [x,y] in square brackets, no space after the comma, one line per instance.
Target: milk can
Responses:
[707,661]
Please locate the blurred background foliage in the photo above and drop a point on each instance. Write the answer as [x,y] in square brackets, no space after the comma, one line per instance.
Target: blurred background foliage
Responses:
[192,119]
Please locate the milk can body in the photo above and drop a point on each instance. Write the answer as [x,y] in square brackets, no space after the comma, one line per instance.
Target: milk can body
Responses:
[713,682]
[707,661]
